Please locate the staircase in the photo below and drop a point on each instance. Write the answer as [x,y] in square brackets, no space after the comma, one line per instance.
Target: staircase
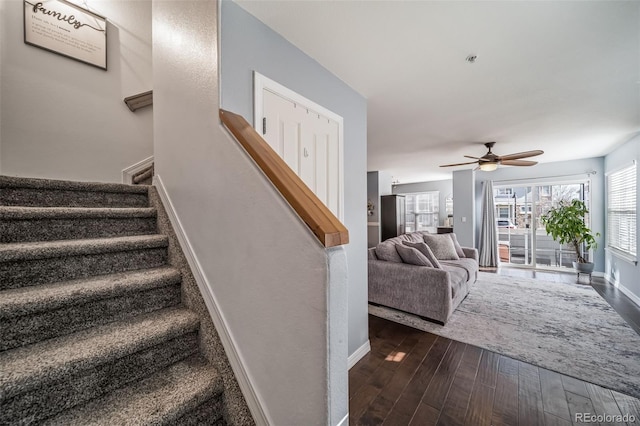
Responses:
[93,325]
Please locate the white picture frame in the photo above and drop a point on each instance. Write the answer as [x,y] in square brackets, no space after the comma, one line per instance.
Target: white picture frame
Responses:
[67,29]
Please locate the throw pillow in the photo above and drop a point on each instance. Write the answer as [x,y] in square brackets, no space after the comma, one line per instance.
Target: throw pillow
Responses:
[412,256]
[413,237]
[442,246]
[387,251]
[426,251]
[456,244]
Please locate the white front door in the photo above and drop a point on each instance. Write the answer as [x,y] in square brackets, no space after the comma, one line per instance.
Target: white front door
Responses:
[309,142]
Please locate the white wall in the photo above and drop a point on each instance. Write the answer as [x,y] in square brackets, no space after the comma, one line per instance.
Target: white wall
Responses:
[248,45]
[621,272]
[266,270]
[63,119]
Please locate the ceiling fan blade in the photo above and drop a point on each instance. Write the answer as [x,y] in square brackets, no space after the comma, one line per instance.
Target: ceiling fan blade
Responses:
[469,156]
[519,155]
[458,164]
[518,163]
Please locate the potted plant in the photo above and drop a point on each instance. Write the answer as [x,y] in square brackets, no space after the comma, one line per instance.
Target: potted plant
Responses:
[565,224]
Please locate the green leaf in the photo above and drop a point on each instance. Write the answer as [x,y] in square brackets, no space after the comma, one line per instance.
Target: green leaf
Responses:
[565,224]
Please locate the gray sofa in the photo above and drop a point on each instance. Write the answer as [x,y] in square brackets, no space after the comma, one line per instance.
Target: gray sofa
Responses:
[432,293]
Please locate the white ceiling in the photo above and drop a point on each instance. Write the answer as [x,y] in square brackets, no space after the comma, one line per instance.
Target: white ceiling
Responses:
[560,76]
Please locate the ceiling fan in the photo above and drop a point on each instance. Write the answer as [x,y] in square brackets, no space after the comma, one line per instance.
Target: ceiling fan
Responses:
[489,162]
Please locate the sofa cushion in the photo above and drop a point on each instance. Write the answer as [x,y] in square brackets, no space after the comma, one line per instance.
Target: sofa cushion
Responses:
[456,244]
[386,250]
[468,265]
[442,246]
[412,256]
[423,248]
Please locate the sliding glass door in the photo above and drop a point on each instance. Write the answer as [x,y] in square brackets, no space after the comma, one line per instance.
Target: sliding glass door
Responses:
[521,234]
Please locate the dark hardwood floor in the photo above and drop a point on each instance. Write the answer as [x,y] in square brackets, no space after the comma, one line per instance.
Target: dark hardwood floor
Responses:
[411,377]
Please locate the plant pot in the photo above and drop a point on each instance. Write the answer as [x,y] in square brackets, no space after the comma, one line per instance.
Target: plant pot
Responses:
[583,268]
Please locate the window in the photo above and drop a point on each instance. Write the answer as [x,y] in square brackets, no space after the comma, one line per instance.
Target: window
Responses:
[422,211]
[526,209]
[621,211]
[503,212]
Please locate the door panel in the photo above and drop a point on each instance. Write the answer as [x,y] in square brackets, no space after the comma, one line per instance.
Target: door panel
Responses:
[309,143]
[321,160]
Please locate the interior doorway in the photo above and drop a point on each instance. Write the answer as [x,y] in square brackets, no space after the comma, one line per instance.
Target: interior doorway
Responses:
[307,136]
[522,239]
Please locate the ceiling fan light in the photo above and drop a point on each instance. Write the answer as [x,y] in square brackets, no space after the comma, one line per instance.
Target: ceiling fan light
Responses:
[488,166]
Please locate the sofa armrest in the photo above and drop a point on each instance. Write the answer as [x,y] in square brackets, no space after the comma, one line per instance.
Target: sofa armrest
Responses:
[420,290]
[471,253]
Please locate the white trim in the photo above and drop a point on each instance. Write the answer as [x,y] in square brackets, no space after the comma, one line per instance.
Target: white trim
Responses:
[635,299]
[620,168]
[358,354]
[254,402]
[261,83]
[619,254]
[127,174]
[344,421]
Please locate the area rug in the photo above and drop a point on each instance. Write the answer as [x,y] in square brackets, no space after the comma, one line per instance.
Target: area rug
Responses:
[566,328]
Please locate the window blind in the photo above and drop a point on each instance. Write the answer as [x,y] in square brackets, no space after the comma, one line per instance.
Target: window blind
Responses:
[621,210]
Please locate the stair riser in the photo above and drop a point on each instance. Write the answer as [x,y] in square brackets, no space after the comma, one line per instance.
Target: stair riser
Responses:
[33,272]
[30,329]
[38,197]
[52,398]
[208,413]
[14,231]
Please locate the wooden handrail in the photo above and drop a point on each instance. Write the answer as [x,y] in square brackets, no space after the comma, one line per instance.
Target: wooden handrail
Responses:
[322,222]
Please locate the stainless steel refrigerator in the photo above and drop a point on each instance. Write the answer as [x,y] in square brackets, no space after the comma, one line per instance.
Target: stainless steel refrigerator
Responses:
[392,216]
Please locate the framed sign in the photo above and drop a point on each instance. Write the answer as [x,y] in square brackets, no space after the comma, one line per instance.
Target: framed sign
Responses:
[67,29]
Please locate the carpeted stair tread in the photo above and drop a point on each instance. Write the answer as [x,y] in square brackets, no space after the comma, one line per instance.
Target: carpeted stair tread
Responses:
[29,300]
[144,176]
[61,248]
[29,224]
[32,366]
[51,184]
[38,213]
[161,399]
[16,191]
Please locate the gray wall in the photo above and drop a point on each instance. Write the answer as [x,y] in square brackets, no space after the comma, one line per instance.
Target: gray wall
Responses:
[464,207]
[373,222]
[618,270]
[556,171]
[373,195]
[445,187]
[63,119]
[247,45]
[378,184]
[262,272]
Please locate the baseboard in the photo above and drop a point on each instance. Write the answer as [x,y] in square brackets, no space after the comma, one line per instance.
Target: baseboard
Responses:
[359,354]
[635,299]
[235,361]
[127,174]
[344,421]
[598,274]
